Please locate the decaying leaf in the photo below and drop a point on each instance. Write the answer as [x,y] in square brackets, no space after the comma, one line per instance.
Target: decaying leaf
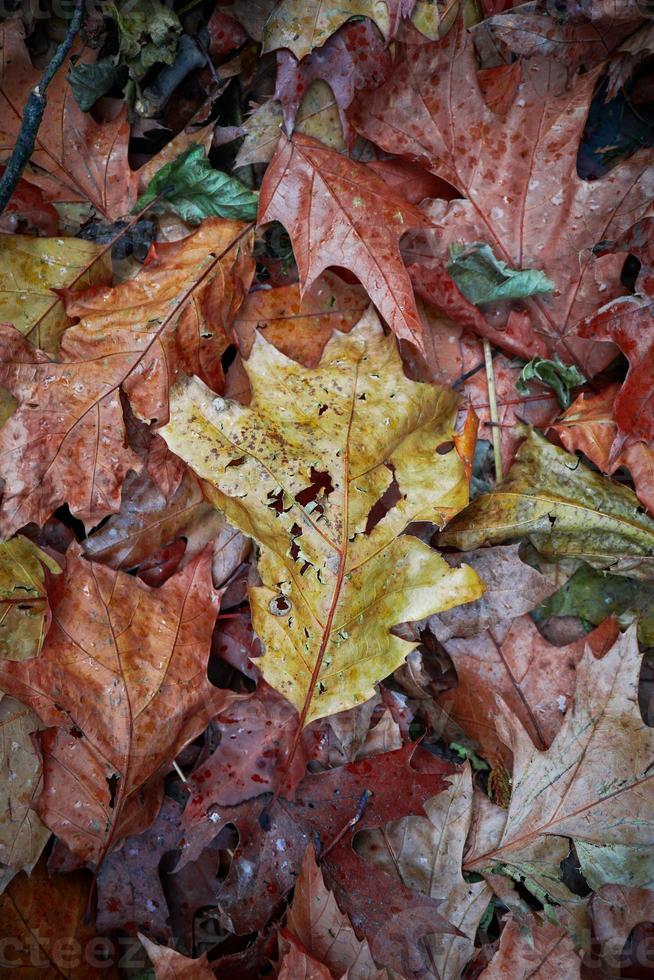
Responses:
[123,676]
[354,58]
[534,949]
[425,853]
[318,924]
[317,116]
[128,883]
[628,323]
[511,588]
[22,835]
[300,326]
[576,789]
[67,441]
[33,910]
[24,609]
[327,809]
[589,426]
[565,509]
[523,196]
[301,27]
[345,215]
[533,677]
[301,470]
[32,269]
[147,522]
[170,965]
[594,595]
[77,158]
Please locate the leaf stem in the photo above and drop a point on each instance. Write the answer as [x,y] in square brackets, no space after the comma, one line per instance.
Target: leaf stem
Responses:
[33,113]
[492,405]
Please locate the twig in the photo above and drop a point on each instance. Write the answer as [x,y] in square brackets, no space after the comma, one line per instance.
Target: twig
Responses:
[492,404]
[363,803]
[179,771]
[33,113]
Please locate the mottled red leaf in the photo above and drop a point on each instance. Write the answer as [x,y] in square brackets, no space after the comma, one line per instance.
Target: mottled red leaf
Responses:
[518,174]
[339,213]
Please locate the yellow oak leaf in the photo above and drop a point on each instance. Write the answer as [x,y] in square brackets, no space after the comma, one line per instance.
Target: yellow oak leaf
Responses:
[307,470]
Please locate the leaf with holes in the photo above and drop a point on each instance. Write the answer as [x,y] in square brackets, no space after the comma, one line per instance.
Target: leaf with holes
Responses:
[308,470]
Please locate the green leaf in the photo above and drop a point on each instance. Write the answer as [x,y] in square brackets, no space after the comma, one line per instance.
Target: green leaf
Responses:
[555,374]
[90,81]
[594,595]
[482,278]
[565,509]
[194,190]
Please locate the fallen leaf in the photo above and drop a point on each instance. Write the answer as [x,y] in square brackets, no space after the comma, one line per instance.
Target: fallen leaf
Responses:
[523,196]
[318,924]
[593,595]
[66,441]
[266,863]
[324,559]
[171,965]
[539,949]
[296,964]
[82,160]
[425,853]
[616,912]
[535,680]
[589,426]
[564,508]
[512,588]
[345,215]
[256,737]
[194,190]
[354,58]
[483,278]
[28,210]
[576,789]
[22,835]
[128,883]
[539,407]
[317,116]
[147,522]
[44,931]
[33,269]
[24,609]
[172,314]
[301,27]
[573,44]
[125,681]
[627,323]
[300,326]
[553,374]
